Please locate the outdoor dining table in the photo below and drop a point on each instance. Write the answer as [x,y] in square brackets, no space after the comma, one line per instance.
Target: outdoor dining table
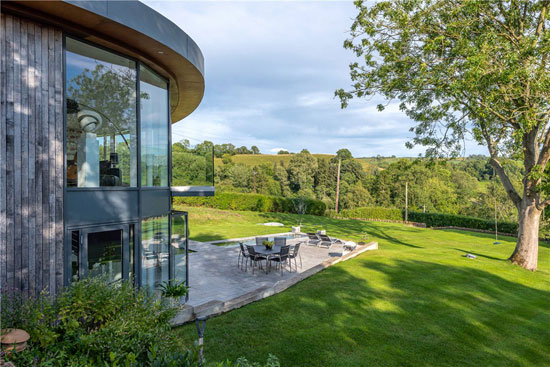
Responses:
[260,249]
[275,250]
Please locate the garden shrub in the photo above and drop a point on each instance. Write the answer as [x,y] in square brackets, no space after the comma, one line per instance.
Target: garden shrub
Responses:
[93,323]
[252,202]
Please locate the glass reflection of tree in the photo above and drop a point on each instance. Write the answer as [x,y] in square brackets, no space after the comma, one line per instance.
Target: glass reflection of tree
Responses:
[110,90]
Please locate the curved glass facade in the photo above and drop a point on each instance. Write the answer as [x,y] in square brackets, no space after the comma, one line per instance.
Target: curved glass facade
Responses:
[118,220]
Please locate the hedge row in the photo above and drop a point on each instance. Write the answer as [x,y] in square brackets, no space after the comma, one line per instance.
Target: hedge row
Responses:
[451,220]
[252,202]
[430,219]
[372,213]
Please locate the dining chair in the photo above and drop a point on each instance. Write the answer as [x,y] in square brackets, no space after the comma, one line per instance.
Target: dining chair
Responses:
[243,257]
[255,257]
[260,240]
[293,255]
[281,258]
[280,241]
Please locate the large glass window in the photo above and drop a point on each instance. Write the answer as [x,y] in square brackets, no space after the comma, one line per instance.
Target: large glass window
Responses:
[154,251]
[154,128]
[101,117]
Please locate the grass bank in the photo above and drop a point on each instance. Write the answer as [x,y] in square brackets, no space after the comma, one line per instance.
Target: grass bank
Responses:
[415,302]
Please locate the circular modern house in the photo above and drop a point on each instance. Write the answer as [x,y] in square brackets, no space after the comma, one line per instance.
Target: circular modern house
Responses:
[89,90]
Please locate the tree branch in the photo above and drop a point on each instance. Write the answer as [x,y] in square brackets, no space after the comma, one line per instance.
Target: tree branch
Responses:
[544,156]
[510,190]
[544,204]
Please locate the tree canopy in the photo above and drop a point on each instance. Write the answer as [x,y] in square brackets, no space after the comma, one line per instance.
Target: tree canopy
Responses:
[464,68]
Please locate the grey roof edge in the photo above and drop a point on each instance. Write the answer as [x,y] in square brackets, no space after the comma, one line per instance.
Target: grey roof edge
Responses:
[131,28]
[138,16]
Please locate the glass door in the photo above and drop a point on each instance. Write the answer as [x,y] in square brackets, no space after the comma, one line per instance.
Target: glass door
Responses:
[102,251]
[179,241]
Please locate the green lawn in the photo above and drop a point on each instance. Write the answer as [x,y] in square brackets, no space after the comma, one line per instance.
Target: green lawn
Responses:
[414,302]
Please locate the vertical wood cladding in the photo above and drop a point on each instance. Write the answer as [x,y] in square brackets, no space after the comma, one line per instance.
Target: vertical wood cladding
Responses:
[31,157]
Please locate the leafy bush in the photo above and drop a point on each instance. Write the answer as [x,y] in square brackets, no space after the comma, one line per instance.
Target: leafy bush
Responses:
[451,220]
[252,202]
[173,288]
[93,323]
[373,213]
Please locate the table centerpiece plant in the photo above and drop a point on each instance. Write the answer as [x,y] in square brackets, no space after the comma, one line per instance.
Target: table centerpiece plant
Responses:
[268,244]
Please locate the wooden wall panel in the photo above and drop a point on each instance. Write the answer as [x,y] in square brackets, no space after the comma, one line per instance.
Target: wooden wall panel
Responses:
[31,157]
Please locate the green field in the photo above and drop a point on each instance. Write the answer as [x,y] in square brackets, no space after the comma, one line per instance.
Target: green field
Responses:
[415,302]
[258,159]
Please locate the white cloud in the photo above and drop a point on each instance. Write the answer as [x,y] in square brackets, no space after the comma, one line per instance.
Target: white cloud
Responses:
[277,150]
[271,69]
[315,99]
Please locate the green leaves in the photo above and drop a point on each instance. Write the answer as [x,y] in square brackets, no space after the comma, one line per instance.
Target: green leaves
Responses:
[458,66]
[173,288]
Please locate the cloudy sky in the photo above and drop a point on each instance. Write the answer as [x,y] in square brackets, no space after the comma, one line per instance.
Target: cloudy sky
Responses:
[271,71]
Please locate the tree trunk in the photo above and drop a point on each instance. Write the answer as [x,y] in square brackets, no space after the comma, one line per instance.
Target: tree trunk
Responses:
[527,247]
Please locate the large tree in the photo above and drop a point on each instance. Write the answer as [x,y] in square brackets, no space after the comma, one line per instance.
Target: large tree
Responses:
[466,66]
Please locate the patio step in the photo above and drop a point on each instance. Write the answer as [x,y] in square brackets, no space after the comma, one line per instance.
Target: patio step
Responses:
[215,307]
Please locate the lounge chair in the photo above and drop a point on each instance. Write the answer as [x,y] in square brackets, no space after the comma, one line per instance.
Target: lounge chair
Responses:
[313,239]
[326,241]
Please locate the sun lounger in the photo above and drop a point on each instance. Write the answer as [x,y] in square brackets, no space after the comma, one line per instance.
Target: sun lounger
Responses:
[326,241]
[313,239]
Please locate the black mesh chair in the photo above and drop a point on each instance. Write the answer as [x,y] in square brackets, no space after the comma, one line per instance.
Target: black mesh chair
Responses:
[280,241]
[243,257]
[281,258]
[293,255]
[260,240]
[256,257]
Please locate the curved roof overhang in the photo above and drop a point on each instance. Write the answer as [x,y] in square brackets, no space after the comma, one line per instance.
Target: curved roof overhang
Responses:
[134,29]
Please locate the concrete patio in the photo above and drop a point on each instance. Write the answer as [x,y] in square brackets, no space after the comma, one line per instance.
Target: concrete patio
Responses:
[217,285]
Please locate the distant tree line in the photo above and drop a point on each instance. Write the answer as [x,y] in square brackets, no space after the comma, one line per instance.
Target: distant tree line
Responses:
[457,187]
[219,149]
[460,186]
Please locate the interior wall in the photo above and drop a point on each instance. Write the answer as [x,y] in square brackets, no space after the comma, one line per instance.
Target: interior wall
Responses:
[31,157]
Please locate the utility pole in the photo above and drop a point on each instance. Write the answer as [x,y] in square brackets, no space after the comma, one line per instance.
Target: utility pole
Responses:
[496,221]
[496,214]
[406,201]
[338,184]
